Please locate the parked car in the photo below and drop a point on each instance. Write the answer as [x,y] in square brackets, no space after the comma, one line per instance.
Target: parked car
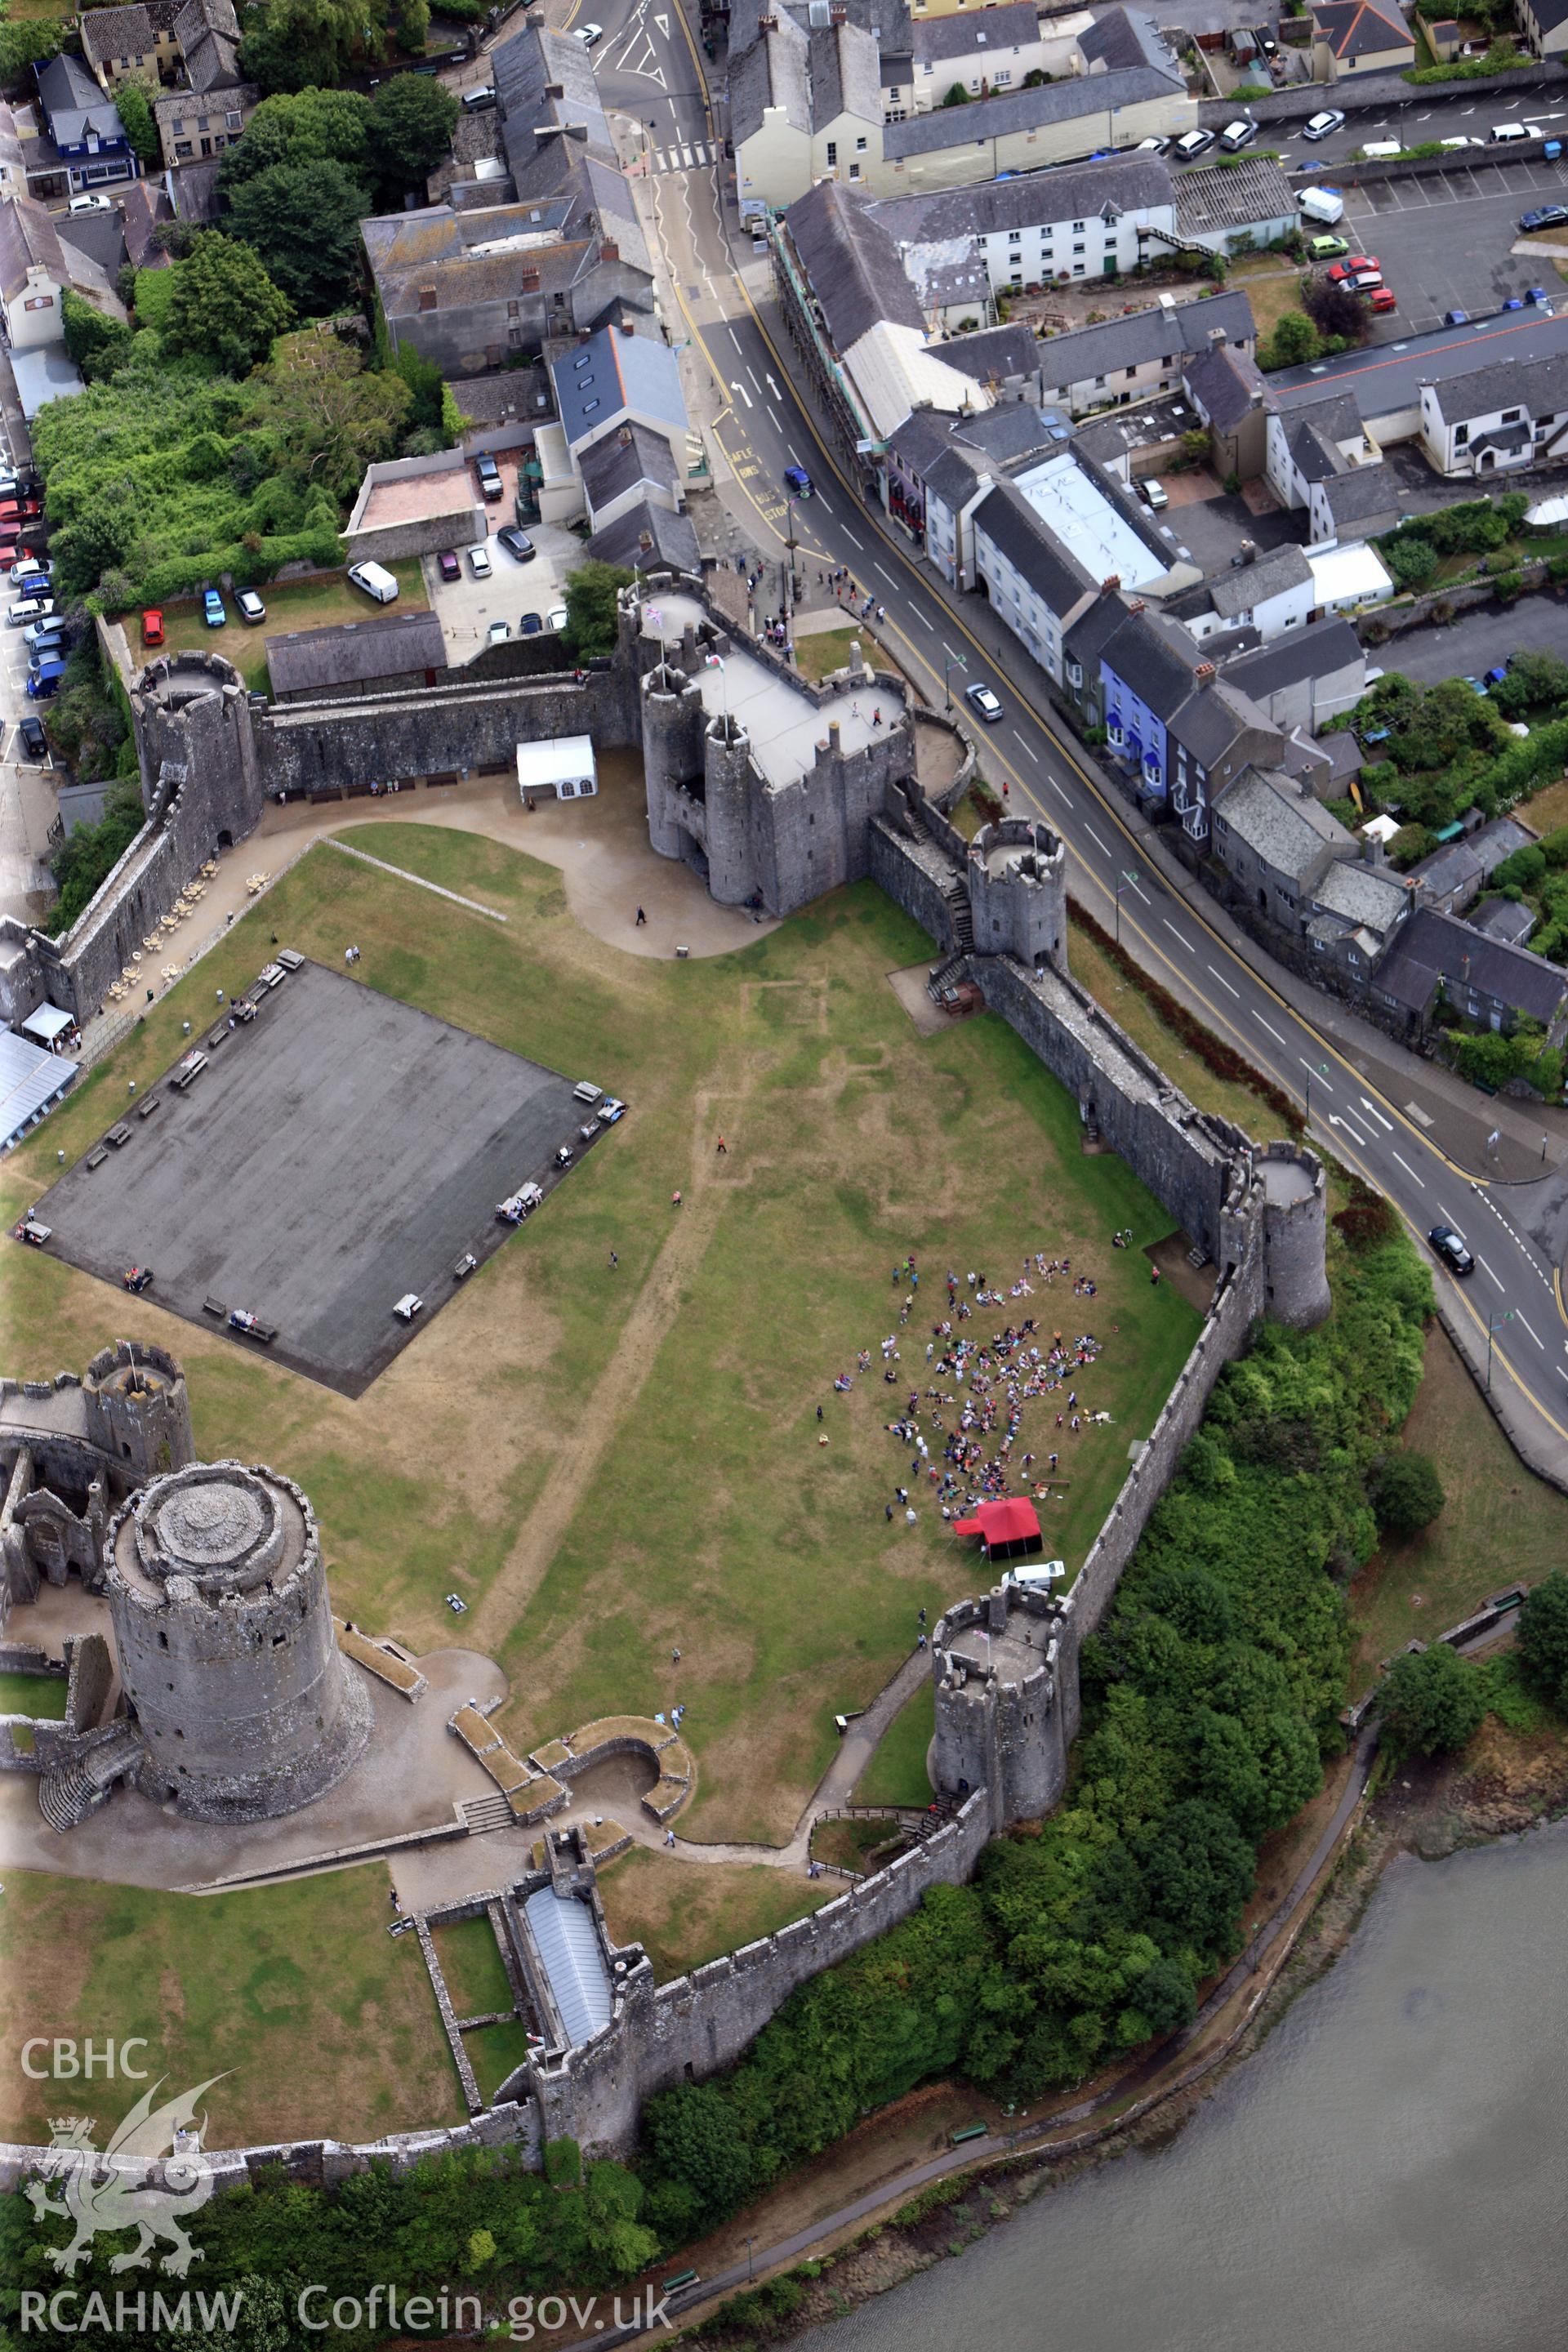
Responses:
[1319,126]
[448,565]
[28,567]
[517,542]
[213,612]
[980,698]
[251,608]
[490,482]
[79,204]
[42,640]
[1543,217]
[1265,40]
[34,740]
[1383,297]
[1193,144]
[1344,273]
[28,608]
[1156,497]
[480,562]
[589,34]
[1327,249]
[476,101]
[152,627]
[43,681]
[1451,1247]
[1155,146]
[557,617]
[530,626]
[498,633]
[376,582]
[1452,144]
[1238,136]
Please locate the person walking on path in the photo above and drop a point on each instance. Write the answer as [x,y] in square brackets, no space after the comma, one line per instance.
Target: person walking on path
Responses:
[615,1261]
[1154,1277]
[675,1200]
[723,1146]
[641,923]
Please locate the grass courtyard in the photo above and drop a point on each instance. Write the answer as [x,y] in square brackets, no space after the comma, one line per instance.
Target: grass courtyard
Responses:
[322,603]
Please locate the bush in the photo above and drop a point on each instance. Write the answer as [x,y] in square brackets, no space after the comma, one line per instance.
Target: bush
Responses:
[1294,342]
[1366,1222]
[1431,1702]
[1542,1640]
[1406,1492]
[88,856]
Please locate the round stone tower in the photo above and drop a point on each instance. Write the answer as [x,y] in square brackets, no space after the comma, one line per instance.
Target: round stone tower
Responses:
[1017,892]
[194,736]
[138,1411]
[998,1724]
[1295,1235]
[231,1670]
[672,721]
[731,779]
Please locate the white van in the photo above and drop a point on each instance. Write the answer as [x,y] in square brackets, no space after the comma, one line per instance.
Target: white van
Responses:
[1036,1579]
[1509,134]
[1383,150]
[1320,205]
[376,580]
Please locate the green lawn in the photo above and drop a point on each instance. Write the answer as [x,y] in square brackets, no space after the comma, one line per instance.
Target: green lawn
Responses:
[42,1696]
[602,1498]
[494,2052]
[325,602]
[896,1773]
[318,2019]
[688,1912]
[1499,1523]
[472,1965]
[818,655]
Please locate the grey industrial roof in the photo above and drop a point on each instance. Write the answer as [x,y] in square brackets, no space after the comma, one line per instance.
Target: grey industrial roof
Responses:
[1315,651]
[1538,386]
[1014,26]
[649,534]
[76,107]
[612,372]
[1232,196]
[1154,655]
[1027,110]
[851,263]
[566,1939]
[1242,588]
[1122,183]
[1431,944]
[1286,829]
[1006,518]
[30,1078]
[389,645]
[1226,385]
[1157,333]
[615,465]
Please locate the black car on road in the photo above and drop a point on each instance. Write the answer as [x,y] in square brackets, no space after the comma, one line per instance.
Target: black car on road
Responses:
[1451,1247]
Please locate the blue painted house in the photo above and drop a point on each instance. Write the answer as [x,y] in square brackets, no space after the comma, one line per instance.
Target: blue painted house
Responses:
[84,127]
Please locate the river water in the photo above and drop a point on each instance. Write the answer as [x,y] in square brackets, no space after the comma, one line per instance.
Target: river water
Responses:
[1389,2171]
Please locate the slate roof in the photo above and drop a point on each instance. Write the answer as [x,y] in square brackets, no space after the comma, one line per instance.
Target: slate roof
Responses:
[525,67]
[74,105]
[851,263]
[933,39]
[1317,651]
[1156,657]
[1025,109]
[1006,518]
[1213,717]
[1090,634]
[844,73]
[1287,831]
[1464,865]
[183,110]
[1538,386]
[1508,919]
[1126,37]
[1366,896]
[208,33]
[389,645]
[142,205]
[1431,944]
[1242,588]
[1226,385]
[1354,28]
[599,381]
[672,539]
[773,73]
[615,464]
[1363,491]
[110,34]
[29,239]
[1122,183]
[1155,333]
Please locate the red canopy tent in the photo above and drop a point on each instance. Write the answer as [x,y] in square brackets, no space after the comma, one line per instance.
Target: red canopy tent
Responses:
[1006,1529]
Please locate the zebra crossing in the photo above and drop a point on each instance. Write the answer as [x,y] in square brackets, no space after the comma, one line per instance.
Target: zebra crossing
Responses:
[684,158]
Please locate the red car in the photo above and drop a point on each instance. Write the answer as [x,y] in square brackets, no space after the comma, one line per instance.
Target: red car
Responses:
[1353,265]
[1382,297]
[14,510]
[449,566]
[152,627]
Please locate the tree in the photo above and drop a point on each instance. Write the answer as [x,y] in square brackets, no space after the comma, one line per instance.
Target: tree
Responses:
[1412,558]
[95,344]
[957,95]
[1198,1872]
[1336,309]
[1295,341]
[695,2134]
[1533,680]
[135,112]
[1406,1492]
[411,123]
[1431,1702]
[303,220]
[591,592]
[306,126]
[223,306]
[330,417]
[414,27]
[1544,1639]
[92,851]
[296,45]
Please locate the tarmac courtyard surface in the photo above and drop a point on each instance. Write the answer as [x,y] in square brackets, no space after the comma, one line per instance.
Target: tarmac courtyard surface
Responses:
[338,1151]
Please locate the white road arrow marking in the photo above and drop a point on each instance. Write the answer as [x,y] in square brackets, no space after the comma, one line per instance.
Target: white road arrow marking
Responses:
[774,388]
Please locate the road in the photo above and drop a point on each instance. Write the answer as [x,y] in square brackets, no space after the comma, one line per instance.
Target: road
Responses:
[1413,123]
[1373,1107]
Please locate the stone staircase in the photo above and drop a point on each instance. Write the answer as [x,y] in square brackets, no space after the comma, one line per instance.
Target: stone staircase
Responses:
[69,1794]
[957,898]
[949,970]
[482,1813]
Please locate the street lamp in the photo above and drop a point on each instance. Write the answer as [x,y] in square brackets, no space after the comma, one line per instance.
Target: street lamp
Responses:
[1124,881]
[956,661]
[1320,1072]
[1495,1323]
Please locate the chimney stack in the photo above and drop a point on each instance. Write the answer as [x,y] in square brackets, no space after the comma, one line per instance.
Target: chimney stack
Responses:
[608,250]
[1112,586]
[1203,674]
[1216,337]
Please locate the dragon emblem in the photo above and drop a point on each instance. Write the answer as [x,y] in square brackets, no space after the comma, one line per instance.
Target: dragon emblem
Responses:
[115,2190]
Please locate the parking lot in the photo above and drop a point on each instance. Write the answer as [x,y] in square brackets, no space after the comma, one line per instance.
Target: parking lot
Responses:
[1445,241]
[1471,646]
[340,1150]
[27,807]
[468,606]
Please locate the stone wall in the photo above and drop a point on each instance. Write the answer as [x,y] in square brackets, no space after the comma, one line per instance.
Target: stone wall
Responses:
[700,2023]
[460,522]
[915,876]
[324,748]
